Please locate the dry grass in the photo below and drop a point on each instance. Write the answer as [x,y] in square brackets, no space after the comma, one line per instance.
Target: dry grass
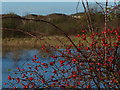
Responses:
[47,40]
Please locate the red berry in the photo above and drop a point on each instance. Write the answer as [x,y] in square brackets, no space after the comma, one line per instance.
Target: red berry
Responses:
[5,83]
[88,86]
[38,62]
[52,76]
[98,69]
[25,87]
[9,77]
[54,71]
[18,80]
[29,67]
[45,71]
[78,35]
[43,64]
[15,88]
[99,63]
[83,30]
[87,48]
[43,80]
[61,62]
[41,76]
[31,78]
[91,68]
[74,60]
[22,69]
[66,84]
[51,63]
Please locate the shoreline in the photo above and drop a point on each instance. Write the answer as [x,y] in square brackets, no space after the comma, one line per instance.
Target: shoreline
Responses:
[47,40]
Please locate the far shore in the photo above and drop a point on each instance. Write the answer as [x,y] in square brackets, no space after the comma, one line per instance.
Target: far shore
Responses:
[60,41]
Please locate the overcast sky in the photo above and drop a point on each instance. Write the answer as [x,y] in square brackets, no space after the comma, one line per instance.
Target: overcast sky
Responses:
[54,0]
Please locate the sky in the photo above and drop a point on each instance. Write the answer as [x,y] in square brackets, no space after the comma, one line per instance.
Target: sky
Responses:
[55,0]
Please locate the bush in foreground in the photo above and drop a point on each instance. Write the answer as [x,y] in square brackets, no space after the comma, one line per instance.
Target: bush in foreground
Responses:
[95,65]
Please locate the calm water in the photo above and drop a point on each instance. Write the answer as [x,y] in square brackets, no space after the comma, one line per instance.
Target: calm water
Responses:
[42,8]
[17,58]
[14,59]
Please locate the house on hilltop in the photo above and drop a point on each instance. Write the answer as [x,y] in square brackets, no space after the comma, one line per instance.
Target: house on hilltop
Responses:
[77,15]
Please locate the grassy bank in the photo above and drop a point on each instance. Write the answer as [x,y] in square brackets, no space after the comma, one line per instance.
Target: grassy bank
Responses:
[36,43]
[47,40]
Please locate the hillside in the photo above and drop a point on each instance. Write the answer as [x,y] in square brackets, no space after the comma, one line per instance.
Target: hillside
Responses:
[71,24]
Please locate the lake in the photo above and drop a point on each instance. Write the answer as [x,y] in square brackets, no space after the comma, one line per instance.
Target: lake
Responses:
[14,59]
[17,58]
